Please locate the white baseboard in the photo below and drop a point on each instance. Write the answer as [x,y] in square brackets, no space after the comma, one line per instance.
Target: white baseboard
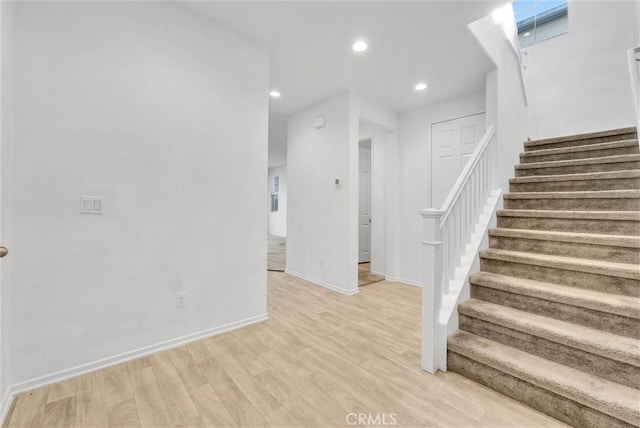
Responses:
[405,281]
[379,274]
[7,400]
[322,283]
[65,374]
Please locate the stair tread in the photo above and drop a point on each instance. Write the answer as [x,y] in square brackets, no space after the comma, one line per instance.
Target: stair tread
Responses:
[572,214]
[574,162]
[583,148]
[576,137]
[627,306]
[631,173]
[598,267]
[605,344]
[608,397]
[584,194]
[626,241]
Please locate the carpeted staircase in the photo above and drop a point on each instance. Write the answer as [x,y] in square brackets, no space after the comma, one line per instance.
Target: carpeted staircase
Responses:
[554,315]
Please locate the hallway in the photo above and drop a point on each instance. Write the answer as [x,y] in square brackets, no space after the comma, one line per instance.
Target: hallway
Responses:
[320,357]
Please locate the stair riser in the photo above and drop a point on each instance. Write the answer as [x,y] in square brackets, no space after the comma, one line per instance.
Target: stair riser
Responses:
[628,150]
[583,251]
[578,169]
[612,227]
[575,143]
[577,185]
[604,283]
[591,363]
[543,400]
[578,204]
[612,323]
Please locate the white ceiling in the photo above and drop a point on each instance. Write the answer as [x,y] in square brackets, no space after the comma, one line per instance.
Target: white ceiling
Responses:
[311,55]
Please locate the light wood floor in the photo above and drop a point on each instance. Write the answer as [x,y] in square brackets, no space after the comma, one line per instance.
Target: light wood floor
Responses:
[320,356]
[276,253]
[365,277]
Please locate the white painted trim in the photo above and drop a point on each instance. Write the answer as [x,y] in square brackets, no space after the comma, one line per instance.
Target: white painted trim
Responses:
[379,274]
[65,374]
[405,281]
[634,76]
[322,283]
[7,400]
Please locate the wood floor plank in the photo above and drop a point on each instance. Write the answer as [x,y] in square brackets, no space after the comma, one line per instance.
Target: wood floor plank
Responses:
[175,394]
[187,368]
[300,407]
[211,407]
[248,359]
[138,363]
[196,422]
[29,409]
[152,409]
[258,396]
[62,390]
[124,414]
[199,352]
[60,413]
[91,409]
[117,386]
[281,418]
[234,400]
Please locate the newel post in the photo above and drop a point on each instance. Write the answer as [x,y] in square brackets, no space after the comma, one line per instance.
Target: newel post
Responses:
[431,286]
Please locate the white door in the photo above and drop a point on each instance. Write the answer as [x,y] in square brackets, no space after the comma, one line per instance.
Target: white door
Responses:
[452,143]
[364,211]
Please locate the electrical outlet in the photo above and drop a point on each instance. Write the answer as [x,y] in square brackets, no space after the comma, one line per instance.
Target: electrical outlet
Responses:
[181,300]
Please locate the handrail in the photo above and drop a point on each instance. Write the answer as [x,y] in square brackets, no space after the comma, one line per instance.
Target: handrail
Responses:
[634,76]
[454,194]
[447,234]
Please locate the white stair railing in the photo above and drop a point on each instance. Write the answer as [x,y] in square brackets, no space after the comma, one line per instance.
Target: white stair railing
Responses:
[446,236]
[633,58]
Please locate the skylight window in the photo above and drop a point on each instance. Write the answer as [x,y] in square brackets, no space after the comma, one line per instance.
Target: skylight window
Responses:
[540,20]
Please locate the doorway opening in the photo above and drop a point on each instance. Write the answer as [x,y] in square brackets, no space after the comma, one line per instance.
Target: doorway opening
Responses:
[365,188]
[277,220]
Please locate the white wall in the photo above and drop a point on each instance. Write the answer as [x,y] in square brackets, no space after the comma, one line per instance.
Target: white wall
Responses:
[506,100]
[579,82]
[320,230]
[5,33]
[415,193]
[165,115]
[278,219]
[637,2]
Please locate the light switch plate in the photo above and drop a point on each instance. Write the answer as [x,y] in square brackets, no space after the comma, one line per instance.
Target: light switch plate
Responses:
[92,204]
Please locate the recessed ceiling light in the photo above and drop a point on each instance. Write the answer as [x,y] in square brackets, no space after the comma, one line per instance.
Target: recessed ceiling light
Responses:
[275,94]
[527,34]
[360,46]
[420,87]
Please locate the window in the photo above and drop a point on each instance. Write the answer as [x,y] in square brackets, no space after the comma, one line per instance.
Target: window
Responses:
[274,194]
[540,20]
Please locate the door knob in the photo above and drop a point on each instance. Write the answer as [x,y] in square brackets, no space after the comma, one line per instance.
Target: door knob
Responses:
[3,251]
